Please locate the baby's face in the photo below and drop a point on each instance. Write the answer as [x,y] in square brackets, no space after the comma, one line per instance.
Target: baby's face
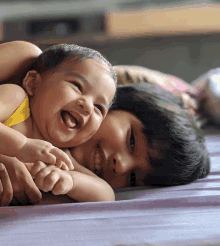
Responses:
[69,105]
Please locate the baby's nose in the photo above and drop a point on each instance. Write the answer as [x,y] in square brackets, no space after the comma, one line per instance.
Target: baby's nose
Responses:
[86,106]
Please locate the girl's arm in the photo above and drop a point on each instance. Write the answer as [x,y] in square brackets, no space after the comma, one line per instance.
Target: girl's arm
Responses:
[16,57]
[6,191]
[89,188]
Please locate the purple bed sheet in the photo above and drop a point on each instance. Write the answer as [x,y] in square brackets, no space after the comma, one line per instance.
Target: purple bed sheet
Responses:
[182,215]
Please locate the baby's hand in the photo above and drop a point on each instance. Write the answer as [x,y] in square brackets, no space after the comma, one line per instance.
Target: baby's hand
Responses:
[51,178]
[39,150]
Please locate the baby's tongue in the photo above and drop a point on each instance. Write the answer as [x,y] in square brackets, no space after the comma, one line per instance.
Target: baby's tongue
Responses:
[69,119]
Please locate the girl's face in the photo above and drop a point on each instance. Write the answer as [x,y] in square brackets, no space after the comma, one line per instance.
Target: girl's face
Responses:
[117,152]
[69,105]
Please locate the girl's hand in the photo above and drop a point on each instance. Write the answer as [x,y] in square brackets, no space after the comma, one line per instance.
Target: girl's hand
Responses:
[24,189]
[6,191]
[51,178]
[39,150]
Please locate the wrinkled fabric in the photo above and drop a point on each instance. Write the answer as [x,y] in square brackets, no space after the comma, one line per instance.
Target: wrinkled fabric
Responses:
[182,215]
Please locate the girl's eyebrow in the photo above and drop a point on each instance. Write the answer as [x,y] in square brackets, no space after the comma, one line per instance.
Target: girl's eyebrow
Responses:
[84,80]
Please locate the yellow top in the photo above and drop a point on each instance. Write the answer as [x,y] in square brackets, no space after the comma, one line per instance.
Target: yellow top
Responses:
[20,114]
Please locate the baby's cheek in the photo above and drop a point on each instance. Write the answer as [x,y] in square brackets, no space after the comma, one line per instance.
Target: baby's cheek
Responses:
[91,128]
[95,125]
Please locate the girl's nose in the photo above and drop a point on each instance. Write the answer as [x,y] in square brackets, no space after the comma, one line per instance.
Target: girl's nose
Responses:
[85,105]
[120,164]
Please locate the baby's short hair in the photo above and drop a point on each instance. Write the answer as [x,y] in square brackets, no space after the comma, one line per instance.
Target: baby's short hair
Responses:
[51,58]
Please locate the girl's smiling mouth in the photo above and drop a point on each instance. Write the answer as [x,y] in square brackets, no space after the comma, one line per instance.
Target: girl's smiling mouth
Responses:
[99,161]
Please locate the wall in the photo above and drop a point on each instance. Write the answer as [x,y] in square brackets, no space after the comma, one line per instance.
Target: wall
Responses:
[185,56]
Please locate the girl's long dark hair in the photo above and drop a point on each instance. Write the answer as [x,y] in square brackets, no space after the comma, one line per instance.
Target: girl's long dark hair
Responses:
[181,155]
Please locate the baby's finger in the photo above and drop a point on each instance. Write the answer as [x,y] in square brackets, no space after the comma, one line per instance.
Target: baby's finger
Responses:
[60,164]
[50,181]
[63,157]
[40,177]
[49,158]
[64,166]
[61,187]
[7,190]
[37,167]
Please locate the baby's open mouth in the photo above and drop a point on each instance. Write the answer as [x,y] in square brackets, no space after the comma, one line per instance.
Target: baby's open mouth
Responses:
[68,119]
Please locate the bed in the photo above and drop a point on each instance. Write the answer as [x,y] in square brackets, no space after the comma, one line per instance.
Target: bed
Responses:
[182,215]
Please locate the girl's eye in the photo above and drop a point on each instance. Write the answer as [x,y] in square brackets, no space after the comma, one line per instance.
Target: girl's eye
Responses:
[133,179]
[132,140]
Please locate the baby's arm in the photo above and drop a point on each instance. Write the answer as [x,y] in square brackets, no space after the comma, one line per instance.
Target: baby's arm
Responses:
[78,186]
[15,144]
[16,57]
[50,178]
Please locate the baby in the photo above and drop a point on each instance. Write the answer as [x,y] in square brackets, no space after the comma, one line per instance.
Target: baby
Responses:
[68,91]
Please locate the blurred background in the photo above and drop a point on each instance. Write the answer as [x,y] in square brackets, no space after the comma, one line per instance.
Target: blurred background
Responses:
[180,37]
